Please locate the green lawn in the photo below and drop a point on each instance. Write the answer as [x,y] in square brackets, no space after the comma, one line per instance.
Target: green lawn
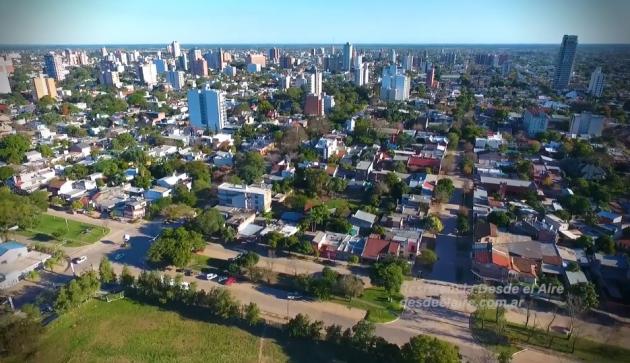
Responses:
[50,228]
[375,301]
[127,331]
[515,335]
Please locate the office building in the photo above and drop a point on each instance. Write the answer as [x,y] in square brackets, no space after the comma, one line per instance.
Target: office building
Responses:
[357,61]
[206,108]
[257,59]
[176,50]
[175,79]
[564,62]
[394,85]
[147,73]
[535,121]
[44,86]
[587,124]
[83,59]
[253,68]
[596,85]
[110,79]
[230,71]
[274,55]
[54,66]
[5,87]
[347,56]
[362,75]
[245,197]
[314,105]
[193,55]
[329,103]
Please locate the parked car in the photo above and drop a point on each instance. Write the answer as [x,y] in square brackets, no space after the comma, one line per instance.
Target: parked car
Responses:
[211,276]
[221,279]
[78,260]
[293,296]
[229,281]
[188,272]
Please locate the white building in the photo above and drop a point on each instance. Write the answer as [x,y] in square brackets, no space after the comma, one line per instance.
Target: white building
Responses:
[395,84]
[315,83]
[347,56]
[206,108]
[176,50]
[596,85]
[5,87]
[329,146]
[16,261]
[175,79]
[148,73]
[285,82]
[245,197]
[586,123]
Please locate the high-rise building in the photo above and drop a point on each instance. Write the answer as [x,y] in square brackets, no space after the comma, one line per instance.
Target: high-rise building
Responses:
[564,62]
[315,82]
[407,62]
[596,85]
[54,66]
[587,124]
[44,86]
[147,73]
[430,78]
[182,62]
[176,50]
[160,65]
[104,52]
[110,78]
[286,61]
[392,55]
[193,55]
[285,82]
[362,75]
[206,108]
[314,105]
[175,79]
[274,55]
[329,102]
[357,61]
[257,59]
[83,59]
[5,87]
[535,121]
[347,56]
[230,71]
[200,67]
[394,85]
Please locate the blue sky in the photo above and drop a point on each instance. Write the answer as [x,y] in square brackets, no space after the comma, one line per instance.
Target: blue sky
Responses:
[314,21]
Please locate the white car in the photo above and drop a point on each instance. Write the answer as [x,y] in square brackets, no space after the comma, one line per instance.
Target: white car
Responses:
[211,276]
[79,260]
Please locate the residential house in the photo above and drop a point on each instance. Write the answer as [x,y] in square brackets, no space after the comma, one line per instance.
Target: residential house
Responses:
[376,248]
[16,261]
[363,219]
[157,192]
[135,209]
[245,197]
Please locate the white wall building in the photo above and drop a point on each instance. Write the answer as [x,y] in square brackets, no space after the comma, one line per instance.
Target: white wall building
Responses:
[148,74]
[206,108]
[395,84]
[586,123]
[175,79]
[596,85]
[245,197]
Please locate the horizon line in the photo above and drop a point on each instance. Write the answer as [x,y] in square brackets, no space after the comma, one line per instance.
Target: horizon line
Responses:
[282,43]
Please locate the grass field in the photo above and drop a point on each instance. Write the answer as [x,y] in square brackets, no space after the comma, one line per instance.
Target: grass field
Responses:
[49,228]
[127,331]
[515,335]
[375,301]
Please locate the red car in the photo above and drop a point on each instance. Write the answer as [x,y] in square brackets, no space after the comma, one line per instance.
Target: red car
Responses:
[230,280]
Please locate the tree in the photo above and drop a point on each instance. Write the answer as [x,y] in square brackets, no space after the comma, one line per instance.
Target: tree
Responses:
[425,349]
[433,224]
[175,247]
[584,242]
[209,222]
[106,271]
[427,258]
[126,278]
[13,148]
[605,244]
[16,210]
[137,99]
[181,194]
[123,141]
[443,190]
[390,276]
[6,172]
[316,181]
[363,334]
[480,297]
[350,286]
[19,336]
[251,312]
[463,226]
[250,166]
[39,199]
[300,326]
[76,205]
[500,218]
[174,212]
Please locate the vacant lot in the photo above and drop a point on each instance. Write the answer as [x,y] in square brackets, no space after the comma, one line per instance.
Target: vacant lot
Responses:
[127,331]
[49,228]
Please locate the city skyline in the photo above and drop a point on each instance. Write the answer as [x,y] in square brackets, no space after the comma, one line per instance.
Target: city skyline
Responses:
[458,22]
